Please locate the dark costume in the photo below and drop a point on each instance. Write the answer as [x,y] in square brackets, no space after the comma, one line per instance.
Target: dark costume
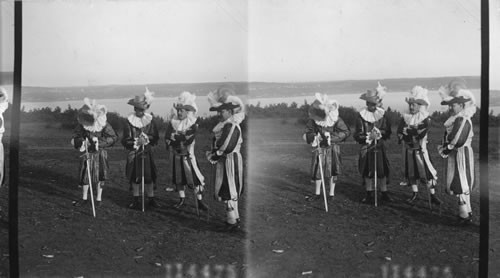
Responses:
[136,126]
[99,166]
[364,125]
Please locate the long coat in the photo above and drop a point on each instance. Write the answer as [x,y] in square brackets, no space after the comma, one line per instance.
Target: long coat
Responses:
[330,153]
[418,165]
[185,170]
[367,153]
[135,157]
[98,159]
[226,145]
[460,164]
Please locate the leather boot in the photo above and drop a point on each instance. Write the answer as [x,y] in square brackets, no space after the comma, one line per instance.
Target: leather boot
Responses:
[413,198]
[180,203]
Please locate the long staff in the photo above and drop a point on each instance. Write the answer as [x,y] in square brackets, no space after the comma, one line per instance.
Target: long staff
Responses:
[142,177]
[320,166]
[87,159]
[375,164]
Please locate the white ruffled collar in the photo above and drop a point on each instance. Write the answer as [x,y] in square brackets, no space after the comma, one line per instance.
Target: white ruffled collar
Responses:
[183,125]
[98,125]
[237,118]
[139,122]
[467,113]
[415,119]
[330,120]
[372,117]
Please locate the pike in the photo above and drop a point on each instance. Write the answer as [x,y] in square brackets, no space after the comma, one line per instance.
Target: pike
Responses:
[87,159]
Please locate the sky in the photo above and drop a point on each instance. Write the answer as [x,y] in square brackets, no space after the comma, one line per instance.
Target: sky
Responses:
[100,42]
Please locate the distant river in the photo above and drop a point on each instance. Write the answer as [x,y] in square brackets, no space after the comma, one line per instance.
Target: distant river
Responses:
[394,100]
[162,105]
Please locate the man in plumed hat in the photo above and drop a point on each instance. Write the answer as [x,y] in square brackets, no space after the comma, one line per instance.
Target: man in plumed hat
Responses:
[412,132]
[140,134]
[225,153]
[94,135]
[456,146]
[324,131]
[372,129]
[4,104]
[180,139]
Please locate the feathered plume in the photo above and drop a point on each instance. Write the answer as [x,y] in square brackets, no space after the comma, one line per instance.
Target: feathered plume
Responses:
[148,96]
[381,90]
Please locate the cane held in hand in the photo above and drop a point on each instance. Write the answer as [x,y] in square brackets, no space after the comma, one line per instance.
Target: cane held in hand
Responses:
[87,159]
[320,166]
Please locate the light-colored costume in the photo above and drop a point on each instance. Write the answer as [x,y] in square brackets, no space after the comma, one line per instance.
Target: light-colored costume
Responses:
[225,153]
[324,131]
[4,104]
[371,130]
[180,138]
[412,131]
[93,135]
[457,149]
[140,134]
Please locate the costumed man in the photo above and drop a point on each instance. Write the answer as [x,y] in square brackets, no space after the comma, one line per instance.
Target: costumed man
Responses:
[93,135]
[4,104]
[456,146]
[180,139]
[412,131]
[140,134]
[372,129]
[225,153]
[324,131]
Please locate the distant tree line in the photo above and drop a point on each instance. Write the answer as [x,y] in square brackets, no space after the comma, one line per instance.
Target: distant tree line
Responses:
[348,114]
[67,119]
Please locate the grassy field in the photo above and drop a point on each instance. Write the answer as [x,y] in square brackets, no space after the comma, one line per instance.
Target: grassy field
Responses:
[352,239]
[58,239]
[287,236]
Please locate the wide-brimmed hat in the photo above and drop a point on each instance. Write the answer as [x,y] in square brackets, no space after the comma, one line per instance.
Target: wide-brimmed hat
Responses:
[142,102]
[418,95]
[91,112]
[224,98]
[186,101]
[322,107]
[231,103]
[374,96]
[461,96]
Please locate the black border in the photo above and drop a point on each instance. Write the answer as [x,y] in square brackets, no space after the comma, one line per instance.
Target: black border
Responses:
[14,143]
[15,127]
[484,201]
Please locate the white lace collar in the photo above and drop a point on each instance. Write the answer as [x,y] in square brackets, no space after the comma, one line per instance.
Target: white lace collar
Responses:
[372,117]
[139,122]
[183,125]
[415,119]
[467,113]
[330,120]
